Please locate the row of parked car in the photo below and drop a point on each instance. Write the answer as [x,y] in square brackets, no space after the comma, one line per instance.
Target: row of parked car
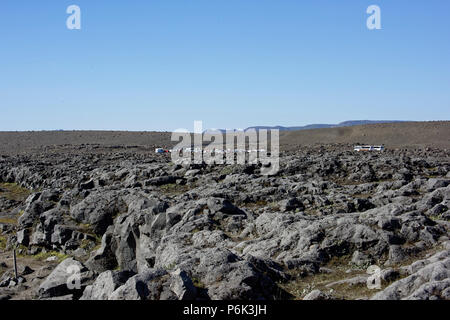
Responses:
[368,148]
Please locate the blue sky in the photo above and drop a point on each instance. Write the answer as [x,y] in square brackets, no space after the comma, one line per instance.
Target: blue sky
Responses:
[161,64]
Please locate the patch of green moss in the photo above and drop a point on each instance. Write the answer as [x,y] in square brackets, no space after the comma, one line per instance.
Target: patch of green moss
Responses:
[22,248]
[198,283]
[85,244]
[8,220]
[226,170]
[274,206]
[2,242]
[44,255]
[173,189]
[117,268]
[171,266]
[258,204]
[85,228]
[13,191]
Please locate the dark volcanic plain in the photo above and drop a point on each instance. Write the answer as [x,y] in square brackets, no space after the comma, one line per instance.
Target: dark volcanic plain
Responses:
[393,135]
[138,226]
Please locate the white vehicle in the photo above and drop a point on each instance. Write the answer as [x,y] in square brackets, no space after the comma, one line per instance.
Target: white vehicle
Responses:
[368,148]
[159,150]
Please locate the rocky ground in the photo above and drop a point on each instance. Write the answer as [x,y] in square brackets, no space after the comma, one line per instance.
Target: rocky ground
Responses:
[138,226]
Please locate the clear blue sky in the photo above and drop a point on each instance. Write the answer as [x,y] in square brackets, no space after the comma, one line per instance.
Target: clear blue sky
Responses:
[161,64]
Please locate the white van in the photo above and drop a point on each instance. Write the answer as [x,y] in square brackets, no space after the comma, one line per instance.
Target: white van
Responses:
[368,148]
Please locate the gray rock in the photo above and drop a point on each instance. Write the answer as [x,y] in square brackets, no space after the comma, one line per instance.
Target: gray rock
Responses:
[435,183]
[139,287]
[159,181]
[98,210]
[87,185]
[428,280]
[56,284]
[389,275]
[360,259]
[316,295]
[25,270]
[104,258]
[181,284]
[291,204]
[223,206]
[396,255]
[105,284]
[23,237]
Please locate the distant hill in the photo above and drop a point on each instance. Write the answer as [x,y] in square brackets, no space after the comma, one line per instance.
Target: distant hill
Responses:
[349,123]
[392,135]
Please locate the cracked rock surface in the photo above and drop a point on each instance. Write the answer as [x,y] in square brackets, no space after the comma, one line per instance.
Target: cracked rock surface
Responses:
[139,227]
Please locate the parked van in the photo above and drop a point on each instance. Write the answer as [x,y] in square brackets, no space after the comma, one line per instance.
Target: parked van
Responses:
[368,148]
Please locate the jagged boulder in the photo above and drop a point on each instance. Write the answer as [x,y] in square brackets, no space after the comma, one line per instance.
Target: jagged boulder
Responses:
[69,277]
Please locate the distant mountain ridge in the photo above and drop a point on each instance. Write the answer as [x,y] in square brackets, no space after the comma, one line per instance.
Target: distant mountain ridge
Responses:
[349,123]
